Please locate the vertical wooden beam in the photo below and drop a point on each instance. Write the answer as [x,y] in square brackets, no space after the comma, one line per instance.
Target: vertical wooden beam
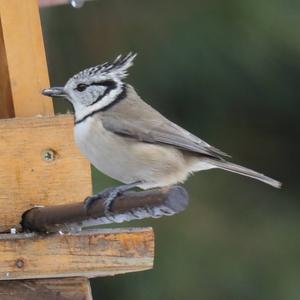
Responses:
[23,67]
[6,103]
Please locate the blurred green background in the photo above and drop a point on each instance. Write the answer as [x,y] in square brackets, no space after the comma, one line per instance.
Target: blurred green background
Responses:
[229,72]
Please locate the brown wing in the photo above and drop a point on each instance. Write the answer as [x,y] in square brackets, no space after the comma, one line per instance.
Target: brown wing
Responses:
[136,119]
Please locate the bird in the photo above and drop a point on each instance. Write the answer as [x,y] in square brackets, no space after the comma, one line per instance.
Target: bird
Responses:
[130,141]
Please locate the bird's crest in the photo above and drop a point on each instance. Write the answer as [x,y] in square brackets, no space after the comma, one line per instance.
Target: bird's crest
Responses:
[118,67]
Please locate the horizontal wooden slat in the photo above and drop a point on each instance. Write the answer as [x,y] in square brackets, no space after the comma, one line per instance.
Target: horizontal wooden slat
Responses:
[46,289]
[27,178]
[88,254]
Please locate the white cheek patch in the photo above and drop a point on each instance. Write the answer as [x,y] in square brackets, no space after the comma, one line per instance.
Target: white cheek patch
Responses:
[91,95]
[82,110]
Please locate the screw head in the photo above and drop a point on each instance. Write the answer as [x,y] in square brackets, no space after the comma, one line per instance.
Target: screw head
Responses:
[20,263]
[48,155]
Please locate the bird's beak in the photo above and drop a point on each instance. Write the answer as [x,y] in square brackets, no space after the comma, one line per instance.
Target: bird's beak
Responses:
[54,92]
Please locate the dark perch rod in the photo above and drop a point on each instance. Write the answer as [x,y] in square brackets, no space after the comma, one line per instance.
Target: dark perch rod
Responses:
[129,206]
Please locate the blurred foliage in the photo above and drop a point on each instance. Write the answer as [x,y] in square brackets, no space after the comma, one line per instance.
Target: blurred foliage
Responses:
[228,71]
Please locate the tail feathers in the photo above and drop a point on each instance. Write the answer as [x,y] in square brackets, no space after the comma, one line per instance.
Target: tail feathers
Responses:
[228,166]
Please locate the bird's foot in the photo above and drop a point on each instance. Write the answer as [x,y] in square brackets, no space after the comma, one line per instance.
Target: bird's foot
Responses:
[109,195]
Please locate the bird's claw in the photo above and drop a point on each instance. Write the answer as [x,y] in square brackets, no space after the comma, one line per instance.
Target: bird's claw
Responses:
[108,195]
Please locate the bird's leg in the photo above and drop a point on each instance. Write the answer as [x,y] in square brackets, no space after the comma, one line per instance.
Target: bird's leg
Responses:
[109,195]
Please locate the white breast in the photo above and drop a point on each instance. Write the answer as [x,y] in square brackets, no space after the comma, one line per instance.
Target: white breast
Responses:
[106,151]
[128,160]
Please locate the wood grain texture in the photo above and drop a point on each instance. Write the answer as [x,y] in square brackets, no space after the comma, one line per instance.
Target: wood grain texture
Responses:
[88,254]
[23,67]
[26,179]
[6,102]
[46,289]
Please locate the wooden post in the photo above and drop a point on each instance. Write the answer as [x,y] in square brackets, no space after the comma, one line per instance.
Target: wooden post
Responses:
[40,165]
[23,68]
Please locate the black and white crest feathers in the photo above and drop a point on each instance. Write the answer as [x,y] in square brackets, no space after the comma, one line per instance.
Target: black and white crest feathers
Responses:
[117,68]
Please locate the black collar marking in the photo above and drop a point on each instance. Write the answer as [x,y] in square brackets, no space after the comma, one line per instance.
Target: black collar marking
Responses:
[119,98]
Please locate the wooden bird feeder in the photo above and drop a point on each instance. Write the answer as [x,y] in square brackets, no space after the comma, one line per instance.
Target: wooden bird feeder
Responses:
[40,165]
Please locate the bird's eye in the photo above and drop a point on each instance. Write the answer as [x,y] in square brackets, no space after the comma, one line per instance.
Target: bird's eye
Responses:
[81,87]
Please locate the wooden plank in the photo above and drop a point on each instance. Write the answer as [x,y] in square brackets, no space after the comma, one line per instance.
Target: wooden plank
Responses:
[28,177]
[23,67]
[46,289]
[90,253]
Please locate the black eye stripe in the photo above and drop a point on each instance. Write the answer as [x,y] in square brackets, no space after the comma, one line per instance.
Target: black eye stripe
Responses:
[110,84]
[107,83]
